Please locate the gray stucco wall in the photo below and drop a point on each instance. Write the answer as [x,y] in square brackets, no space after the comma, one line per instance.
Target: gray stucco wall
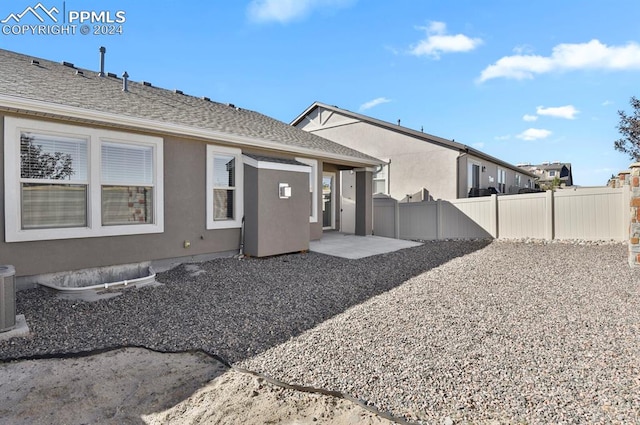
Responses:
[185,219]
[272,225]
[364,203]
[414,164]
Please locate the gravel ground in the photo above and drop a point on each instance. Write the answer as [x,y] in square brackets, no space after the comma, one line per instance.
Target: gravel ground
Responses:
[449,332]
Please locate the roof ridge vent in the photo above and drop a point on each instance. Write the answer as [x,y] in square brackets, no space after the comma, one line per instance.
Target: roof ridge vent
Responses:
[231,105]
[178,91]
[205,98]
[69,64]
[146,83]
[35,62]
[78,72]
[111,74]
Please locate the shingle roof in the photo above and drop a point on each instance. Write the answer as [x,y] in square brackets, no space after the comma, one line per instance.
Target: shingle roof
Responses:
[59,84]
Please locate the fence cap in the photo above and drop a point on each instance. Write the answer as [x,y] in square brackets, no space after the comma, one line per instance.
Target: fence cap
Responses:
[6,271]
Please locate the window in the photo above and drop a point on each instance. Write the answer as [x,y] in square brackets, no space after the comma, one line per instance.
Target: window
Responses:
[552,173]
[53,181]
[127,184]
[502,180]
[473,176]
[518,180]
[224,187]
[380,181]
[313,187]
[64,181]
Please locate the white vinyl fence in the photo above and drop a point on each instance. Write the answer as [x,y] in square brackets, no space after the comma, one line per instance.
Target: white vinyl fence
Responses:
[581,213]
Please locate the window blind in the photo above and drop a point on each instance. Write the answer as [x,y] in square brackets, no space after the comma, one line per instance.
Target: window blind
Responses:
[50,157]
[127,164]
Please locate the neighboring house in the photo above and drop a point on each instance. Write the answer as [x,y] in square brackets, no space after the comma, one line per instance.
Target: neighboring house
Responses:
[420,166]
[547,172]
[101,171]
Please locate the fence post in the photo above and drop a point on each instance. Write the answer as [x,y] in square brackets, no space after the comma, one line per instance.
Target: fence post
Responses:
[548,225]
[396,211]
[439,229]
[634,216]
[495,221]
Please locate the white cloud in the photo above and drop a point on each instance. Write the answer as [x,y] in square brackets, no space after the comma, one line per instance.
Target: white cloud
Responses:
[534,134]
[505,137]
[375,102]
[530,118]
[438,41]
[566,57]
[568,112]
[284,11]
[607,103]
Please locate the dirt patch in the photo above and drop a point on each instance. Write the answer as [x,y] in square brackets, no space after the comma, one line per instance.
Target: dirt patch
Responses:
[138,386]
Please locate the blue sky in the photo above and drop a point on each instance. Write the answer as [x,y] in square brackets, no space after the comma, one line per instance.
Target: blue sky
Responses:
[523,81]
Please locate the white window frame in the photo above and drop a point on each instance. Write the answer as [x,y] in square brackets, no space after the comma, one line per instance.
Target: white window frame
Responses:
[470,165]
[212,151]
[501,180]
[13,127]
[384,179]
[313,186]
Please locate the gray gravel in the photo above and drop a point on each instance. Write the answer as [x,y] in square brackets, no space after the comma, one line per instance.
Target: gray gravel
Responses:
[450,332]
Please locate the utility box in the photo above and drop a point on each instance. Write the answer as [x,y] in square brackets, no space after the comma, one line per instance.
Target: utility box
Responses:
[7,298]
[277,206]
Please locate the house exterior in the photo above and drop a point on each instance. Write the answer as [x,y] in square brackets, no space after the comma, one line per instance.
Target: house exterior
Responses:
[101,171]
[419,166]
[547,172]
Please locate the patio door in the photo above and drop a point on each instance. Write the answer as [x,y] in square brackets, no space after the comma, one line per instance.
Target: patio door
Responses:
[328,201]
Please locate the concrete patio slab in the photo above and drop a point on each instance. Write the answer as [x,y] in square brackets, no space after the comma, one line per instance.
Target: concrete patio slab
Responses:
[353,247]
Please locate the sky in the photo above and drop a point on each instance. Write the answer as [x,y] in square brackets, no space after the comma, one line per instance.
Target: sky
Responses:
[526,82]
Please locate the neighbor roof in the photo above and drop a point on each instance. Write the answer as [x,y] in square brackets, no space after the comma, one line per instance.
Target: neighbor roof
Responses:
[64,91]
[550,166]
[413,133]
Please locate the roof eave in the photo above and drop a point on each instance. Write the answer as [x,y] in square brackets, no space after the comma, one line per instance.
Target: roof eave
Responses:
[19,104]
